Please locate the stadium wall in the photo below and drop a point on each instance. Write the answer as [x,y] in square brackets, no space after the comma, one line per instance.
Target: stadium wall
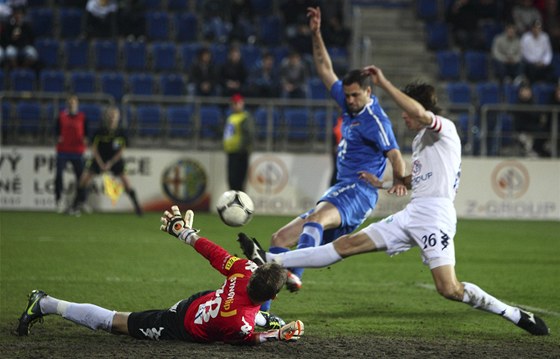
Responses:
[279,183]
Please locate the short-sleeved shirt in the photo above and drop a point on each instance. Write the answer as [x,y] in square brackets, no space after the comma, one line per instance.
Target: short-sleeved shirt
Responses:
[109,142]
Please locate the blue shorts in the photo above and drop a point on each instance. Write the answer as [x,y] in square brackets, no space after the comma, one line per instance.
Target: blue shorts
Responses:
[354,200]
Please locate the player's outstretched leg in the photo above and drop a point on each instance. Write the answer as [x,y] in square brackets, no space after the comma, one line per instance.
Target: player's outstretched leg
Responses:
[252,249]
[532,323]
[32,313]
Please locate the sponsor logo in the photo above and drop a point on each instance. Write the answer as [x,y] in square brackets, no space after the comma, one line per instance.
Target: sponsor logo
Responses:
[230,262]
[268,175]
[510,180]
[416,167]
[152,333]
[184,181]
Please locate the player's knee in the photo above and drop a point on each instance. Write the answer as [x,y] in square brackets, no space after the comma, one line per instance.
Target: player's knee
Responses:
[280,239]
[450,291]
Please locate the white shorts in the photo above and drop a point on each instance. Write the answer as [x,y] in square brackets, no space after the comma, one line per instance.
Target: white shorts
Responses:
[429,224]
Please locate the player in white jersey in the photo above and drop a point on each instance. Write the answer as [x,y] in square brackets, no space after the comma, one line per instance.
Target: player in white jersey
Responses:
[428,221]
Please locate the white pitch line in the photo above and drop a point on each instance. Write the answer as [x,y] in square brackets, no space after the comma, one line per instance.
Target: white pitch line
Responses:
[528,307]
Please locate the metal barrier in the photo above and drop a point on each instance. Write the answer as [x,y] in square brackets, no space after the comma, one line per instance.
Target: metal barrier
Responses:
[274,130]
[497,133]
[30,118]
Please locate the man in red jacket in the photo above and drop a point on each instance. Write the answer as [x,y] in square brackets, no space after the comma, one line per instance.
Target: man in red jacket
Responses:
[71,131]
[228,314]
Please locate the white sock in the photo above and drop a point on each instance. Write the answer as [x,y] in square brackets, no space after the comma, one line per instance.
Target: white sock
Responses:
[88,315]
[49,305]
[479,299]
[315,257]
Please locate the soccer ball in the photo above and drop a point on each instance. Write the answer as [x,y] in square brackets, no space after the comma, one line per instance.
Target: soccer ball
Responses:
[235,208]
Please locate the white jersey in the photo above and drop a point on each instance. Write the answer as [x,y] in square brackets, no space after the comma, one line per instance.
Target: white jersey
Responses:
[436,160]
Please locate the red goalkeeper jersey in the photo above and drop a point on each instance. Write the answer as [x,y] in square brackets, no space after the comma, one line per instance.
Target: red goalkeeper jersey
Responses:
[226,315]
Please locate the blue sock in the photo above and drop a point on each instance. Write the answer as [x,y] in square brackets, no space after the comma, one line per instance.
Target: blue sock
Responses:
[311,236]
[276,250]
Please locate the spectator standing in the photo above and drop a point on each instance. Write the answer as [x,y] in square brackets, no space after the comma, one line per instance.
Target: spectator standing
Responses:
[293,76]
[107,149]
[233,74]
[506,52]
[101,18]
[71,131]
[239,138]
[264,80]
[203,75]
[537,54]
[18,40]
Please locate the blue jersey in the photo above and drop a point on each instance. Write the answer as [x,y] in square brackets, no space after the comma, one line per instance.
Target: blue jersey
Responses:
[366,138]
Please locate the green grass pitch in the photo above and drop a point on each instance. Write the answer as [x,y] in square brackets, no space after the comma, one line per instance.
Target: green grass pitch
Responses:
[123,262]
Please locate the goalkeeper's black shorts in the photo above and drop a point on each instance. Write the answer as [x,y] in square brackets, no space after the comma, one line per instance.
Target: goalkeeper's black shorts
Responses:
[163,324]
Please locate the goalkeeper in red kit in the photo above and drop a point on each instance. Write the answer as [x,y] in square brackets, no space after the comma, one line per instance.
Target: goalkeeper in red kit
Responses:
[228,314]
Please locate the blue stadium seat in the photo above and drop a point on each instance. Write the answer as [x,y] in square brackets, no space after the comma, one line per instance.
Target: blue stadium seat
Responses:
[271,30]
[449,65]
[42,21]
[148,120]
[113,83]
[219,53]
[556,64]
[427,10]
[177,5]
[437,36]
[135,56]
[211,122]
[157,26]
[542,92]
[94,115]
[76,54]
[164,57]
[321,127]
[52,81]
[48,50]
[152,5]
[459,93]
[510,92]
[2,79]
[280,53]
[141,83]
[186,27]
[488,93]
[179,121]
[476,65]
[489,30]
[262,7]
[297,124]
[172,85]
[70,22]
[6,118]
[317,90]
[28,118]
[261,123]
[83,82]
[105,54]
[22,80]
[251,55]
[188,53]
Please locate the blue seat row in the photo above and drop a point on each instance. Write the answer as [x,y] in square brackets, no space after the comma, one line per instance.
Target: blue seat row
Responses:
[482,93]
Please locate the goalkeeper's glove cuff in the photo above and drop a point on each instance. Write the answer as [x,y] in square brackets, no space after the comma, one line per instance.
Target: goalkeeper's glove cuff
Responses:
[186,235]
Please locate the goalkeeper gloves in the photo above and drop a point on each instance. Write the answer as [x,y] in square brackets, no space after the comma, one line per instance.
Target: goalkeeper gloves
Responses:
[289,332]
[178,226]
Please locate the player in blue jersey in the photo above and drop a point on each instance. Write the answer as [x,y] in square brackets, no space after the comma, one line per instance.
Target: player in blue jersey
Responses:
[367,142]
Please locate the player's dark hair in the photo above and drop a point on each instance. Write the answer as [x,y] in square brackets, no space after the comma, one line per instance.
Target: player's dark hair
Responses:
[425,94]
[356,77]
[266,282]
